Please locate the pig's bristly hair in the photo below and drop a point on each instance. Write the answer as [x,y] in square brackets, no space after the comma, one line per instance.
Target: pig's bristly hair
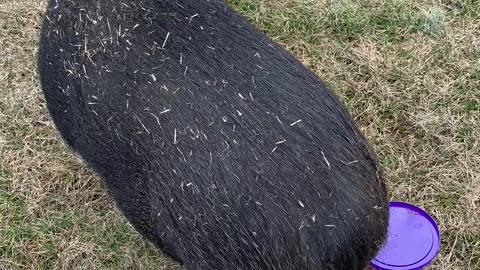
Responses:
[217,144]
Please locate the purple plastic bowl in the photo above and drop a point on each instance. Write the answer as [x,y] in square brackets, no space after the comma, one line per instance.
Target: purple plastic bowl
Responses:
[413,239]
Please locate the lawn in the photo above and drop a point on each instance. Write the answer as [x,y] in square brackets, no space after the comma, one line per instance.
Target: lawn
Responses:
[409,71]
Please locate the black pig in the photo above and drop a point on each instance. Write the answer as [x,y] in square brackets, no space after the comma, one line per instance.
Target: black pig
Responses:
[217,145]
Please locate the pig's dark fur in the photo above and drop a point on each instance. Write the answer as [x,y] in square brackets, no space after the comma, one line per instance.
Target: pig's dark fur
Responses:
[217,145]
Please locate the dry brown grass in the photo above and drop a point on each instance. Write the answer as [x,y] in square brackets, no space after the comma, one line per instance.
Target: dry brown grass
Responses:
[409,72]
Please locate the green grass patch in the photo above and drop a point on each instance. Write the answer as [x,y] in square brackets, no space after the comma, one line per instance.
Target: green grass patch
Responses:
[391,20]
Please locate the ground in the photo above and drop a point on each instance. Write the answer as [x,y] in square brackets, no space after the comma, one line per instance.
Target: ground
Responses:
[409,71]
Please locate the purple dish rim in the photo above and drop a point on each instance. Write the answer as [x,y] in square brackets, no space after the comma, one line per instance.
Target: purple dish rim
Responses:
[429,257]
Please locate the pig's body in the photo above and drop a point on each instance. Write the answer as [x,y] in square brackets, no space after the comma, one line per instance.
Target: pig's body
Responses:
[217,145]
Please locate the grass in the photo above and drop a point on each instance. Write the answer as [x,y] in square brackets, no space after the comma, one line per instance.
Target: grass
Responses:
[409,71]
